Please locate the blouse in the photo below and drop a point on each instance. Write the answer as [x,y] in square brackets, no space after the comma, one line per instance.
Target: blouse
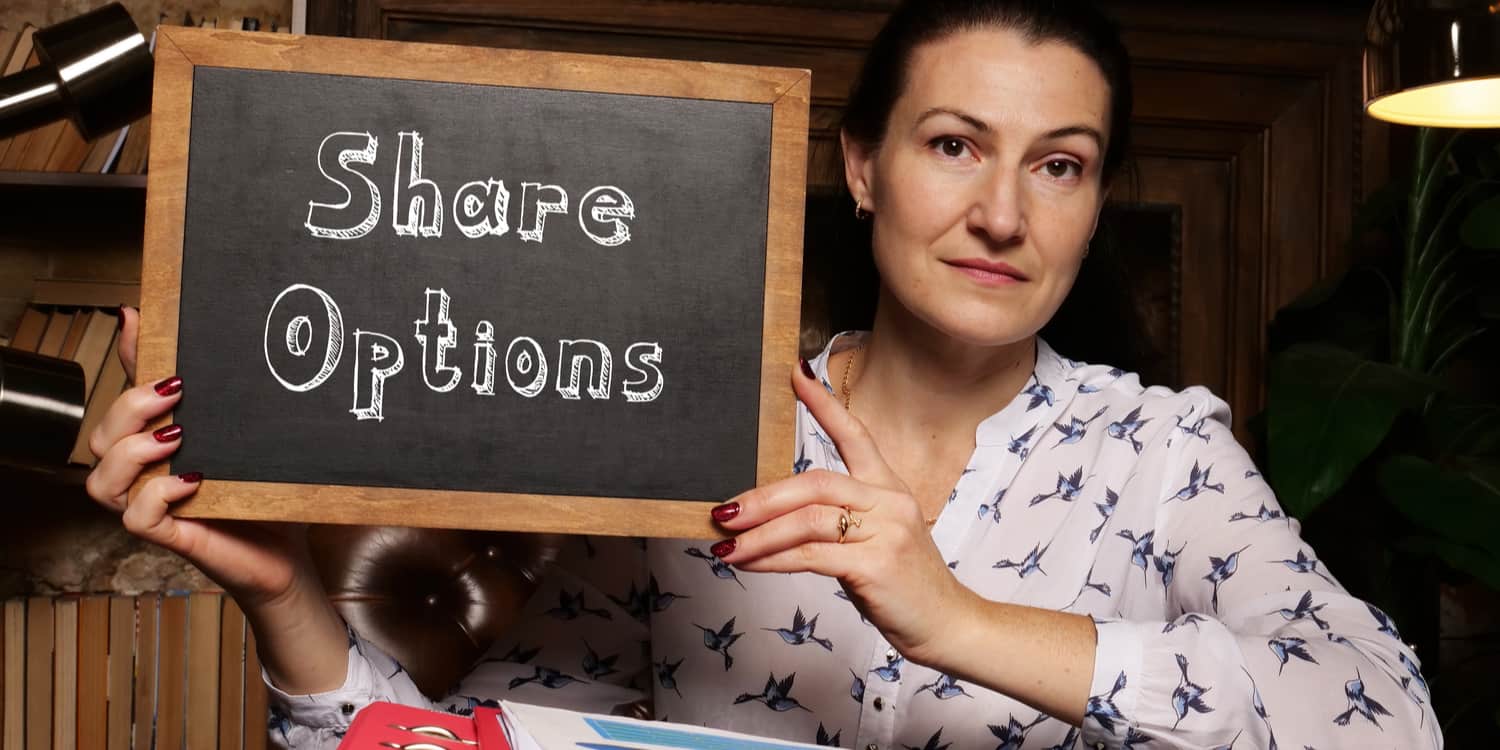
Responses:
[1088,493]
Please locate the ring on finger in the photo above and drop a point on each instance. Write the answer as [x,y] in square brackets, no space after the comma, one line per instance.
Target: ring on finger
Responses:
[847,520]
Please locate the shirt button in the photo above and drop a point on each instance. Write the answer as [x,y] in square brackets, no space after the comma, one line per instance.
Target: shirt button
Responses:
[346,708]
[890,654]
[879,703]
[872,746]
[1098,746]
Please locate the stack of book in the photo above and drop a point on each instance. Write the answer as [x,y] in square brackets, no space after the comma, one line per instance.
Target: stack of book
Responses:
[57,147]
[78,320]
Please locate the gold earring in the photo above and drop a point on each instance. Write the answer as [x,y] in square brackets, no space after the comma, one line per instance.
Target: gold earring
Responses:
[859,210]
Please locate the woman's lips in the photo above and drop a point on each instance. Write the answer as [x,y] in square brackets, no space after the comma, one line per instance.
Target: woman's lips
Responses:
[988,273]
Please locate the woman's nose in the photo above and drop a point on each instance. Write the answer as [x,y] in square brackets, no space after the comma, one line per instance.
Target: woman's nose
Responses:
[998,210]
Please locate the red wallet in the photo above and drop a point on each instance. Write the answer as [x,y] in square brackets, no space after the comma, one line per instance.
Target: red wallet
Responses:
[384,726]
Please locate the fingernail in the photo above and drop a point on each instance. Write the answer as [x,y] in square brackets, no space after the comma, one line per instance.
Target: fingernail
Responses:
[168,434]
[807,369]
[722,548]
[725,512]
[119,318]
[191,477]
[168,387]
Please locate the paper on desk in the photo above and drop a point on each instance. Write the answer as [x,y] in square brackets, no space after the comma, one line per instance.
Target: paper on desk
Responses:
[529,727]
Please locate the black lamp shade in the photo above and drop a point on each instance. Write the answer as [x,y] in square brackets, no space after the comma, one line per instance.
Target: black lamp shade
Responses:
[1434,62]
[94,70]
[41,407]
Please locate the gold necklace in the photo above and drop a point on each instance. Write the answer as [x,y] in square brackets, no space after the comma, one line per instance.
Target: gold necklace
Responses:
[844,386]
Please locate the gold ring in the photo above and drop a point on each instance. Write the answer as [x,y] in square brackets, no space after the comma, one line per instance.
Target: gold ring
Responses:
[845,521]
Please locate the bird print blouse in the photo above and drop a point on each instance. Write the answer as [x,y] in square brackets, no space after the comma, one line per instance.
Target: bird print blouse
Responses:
[1217,625]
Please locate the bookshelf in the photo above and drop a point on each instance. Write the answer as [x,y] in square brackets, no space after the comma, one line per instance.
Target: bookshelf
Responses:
[31,179]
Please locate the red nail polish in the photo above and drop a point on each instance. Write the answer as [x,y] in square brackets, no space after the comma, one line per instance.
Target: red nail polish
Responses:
[807,369]
[191,477]
[722,548]
[725,512]
[168,434]
[168,387]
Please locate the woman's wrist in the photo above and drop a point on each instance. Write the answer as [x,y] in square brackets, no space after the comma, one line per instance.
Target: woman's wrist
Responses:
[301,640]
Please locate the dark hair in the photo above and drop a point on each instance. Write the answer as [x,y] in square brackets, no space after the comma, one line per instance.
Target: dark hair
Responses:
[1076,23]
[1099,321]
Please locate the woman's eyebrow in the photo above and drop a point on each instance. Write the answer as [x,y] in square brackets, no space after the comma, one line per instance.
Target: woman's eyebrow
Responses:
[973,121]
[1076,130]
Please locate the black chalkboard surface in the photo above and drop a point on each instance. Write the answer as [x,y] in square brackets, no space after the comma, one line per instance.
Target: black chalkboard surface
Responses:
[495,304]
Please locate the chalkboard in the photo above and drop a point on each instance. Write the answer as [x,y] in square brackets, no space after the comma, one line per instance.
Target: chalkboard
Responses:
[509,290]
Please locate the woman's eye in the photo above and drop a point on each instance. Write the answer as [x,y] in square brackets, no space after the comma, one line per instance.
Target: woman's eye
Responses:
[1062,168]
[952,148]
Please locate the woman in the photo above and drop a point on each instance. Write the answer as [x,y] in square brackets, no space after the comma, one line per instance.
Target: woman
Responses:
[1027,550]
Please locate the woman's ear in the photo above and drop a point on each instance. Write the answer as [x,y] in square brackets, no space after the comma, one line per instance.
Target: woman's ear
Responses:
[858,163]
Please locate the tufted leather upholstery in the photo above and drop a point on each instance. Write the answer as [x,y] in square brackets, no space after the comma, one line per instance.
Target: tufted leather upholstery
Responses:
[434,599]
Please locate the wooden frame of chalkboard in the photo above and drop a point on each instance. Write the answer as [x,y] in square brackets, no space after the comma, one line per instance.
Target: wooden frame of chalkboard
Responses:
[182,53]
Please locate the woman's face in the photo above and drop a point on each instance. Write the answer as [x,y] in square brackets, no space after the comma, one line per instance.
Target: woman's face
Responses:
[987,187]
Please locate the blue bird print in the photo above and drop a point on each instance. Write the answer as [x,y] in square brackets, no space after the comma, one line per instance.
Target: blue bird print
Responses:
[572,606]
[1019,444]
[776,695]
[1416,675]
[831,455]
[1106,511]
[1134,738]
[1088,583]
[1141,551]
[992,509]
[1286,648]
[1114,374]
[891,672]
[399,670]
[1039,393]
[932,742]
[801,632]
[1386,626]
[803,463]
[1191,618]
[1126,429]
[278,722]
[1304,564]
[596,666]
[1359,703]
[718,567]
[1341,640]
[1260,710]
[634,602]
[546,677]
[518,654]
[1230,746]
[720,640]
[1102,708]
[1197,484]
[1069,740]
[1262,515]
[1076,428]
[666,674]
[1220,571]
[945,687]
[1013,734]
[1031,564]
[1195,430]
[1188,696]
[1166,563]
[658,600]
[857,688]
[1068,488]
[824,740]
[1304,611]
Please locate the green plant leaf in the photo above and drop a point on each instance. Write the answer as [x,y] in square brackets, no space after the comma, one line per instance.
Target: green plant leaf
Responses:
[1483,567]
[1329,409]
[1481,229]
[1454,506]
[1463,428]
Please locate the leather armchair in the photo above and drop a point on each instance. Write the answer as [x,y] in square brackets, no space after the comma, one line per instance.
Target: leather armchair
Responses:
[435,599]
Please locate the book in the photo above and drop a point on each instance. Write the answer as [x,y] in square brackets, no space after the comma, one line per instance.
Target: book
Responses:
[39,671]
[103,152]
[121,662]
[28,334]
[8,38]
[65,673]
[14,737]
[11,159]
[19,54]
[132,157]
[75,334]
[106,389]
[93,346]
[203,631]
[57,331]
[70,151]
[530,727]
[86,293]
[144,704]
[93,670]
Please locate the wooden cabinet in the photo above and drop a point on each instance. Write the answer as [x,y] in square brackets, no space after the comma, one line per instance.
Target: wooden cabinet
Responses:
[1248,128]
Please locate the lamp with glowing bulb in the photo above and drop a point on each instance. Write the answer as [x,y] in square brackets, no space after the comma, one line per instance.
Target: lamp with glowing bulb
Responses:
[1434,63]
